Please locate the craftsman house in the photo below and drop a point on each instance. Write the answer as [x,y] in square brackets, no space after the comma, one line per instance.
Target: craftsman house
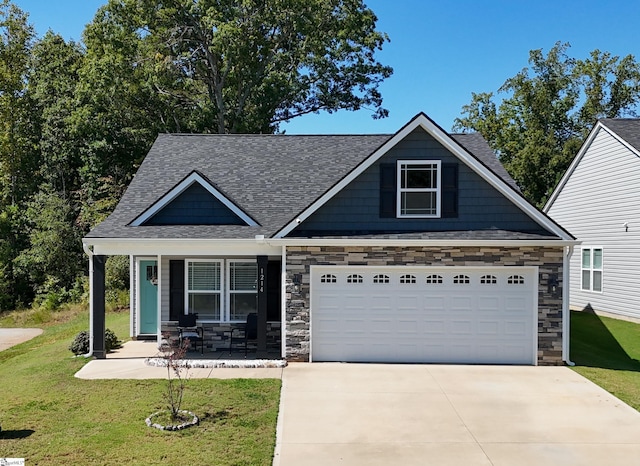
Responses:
[408,247]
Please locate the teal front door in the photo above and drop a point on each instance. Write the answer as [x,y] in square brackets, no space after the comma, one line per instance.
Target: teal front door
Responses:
[148,279]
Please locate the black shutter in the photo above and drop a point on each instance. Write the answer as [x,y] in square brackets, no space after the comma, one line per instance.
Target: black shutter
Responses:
[449,180]
[274,291]
[387,190]
[176,289]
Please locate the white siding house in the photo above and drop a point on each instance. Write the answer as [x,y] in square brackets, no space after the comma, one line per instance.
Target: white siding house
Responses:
[598,201]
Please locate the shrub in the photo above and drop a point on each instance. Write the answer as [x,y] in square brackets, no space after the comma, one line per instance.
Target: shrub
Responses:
[80,344]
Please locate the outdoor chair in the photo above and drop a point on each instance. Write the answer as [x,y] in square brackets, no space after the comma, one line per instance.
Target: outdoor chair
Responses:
[189,329]
[246,334]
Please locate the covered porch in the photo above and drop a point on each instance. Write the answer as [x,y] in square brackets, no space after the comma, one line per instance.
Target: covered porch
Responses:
[245,277]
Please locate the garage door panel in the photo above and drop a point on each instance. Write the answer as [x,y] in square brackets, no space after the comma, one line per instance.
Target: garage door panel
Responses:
[424,322]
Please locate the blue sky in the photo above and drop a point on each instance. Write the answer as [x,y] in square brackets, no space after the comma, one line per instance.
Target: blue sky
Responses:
[441,51]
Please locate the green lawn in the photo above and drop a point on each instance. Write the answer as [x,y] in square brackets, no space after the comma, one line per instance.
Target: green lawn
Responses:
[51,418]
[607,352]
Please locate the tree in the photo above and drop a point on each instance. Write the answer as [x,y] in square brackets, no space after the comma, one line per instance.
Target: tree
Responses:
[246,66]
[548,110]
[53,77]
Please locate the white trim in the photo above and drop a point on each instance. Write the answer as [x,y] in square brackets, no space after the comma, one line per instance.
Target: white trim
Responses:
[592,270]
[194,177]
[456,149]
[137,308]
[221,292]
[283,302]
[132,298]
[578,158]
[272,247]
[227,311]
[402,164]
[159,291]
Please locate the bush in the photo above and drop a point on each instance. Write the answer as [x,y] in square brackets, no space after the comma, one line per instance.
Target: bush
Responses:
[80,344]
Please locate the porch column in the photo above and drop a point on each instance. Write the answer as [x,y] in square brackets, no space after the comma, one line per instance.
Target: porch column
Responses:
[262,305]
[98,307]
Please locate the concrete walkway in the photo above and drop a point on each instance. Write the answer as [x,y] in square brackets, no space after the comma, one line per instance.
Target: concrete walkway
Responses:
[355,414]
[13,336]
[128,363]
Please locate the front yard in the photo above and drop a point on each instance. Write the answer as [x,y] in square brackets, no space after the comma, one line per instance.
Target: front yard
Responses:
[607,352]
[49,417]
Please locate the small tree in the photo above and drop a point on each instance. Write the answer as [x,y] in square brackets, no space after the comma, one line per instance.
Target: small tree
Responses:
[177,375]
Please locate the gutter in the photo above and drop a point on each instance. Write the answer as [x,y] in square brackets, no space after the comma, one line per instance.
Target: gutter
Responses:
[89,253]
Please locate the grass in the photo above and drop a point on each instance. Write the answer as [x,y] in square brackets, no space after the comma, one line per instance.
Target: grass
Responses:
[50,417]
[607,352]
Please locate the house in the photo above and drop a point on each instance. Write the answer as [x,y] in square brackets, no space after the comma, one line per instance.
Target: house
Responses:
[598,200]
[410,247]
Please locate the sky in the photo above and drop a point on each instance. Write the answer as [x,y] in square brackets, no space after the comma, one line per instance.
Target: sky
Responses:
[441,51]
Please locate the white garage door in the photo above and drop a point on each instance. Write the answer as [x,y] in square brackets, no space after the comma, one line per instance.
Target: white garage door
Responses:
[424,314]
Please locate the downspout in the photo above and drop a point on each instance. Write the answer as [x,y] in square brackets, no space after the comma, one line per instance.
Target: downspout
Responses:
[89,253]
[566,312]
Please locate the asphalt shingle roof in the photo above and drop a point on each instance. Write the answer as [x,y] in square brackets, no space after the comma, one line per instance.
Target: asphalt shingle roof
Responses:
[627,128]
[272,178]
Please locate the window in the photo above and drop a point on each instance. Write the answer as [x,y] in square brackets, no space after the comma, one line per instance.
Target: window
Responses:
[488,280]
[407,279]
[355,278]
[243,289]
[434,279]
[461,279]
[592,269]
[204,286]
[418,188]
[328,278]
[381,278]
[515,280]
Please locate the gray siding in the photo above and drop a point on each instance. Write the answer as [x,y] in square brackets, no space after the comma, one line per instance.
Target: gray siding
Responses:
[195,206]
[357,207]
[601,194]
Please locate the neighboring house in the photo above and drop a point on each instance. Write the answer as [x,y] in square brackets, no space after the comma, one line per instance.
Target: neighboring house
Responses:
[410,247]
[598,200]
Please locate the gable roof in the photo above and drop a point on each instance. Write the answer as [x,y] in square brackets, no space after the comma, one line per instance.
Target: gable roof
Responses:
[194,178]
[625,130]
[273,179]
[484,164]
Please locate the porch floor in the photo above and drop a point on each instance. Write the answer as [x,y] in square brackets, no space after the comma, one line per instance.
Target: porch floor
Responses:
[128,362]
[149,349]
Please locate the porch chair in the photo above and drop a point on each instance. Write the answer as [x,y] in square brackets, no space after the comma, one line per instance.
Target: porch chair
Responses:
[249,332]
[188,328]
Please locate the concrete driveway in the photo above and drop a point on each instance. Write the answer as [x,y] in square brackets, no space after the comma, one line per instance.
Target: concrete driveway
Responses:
[375,414]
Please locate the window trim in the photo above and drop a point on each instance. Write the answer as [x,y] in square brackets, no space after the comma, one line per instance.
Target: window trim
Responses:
[188,292]
[402,164]
[591,269]
[228,291]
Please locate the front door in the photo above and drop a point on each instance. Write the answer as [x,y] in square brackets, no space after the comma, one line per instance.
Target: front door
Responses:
[148,279]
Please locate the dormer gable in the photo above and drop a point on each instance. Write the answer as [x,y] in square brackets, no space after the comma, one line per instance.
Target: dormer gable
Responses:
[194,201]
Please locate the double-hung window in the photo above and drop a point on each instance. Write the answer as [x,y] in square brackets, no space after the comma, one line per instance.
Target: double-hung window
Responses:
[204,288]
[243,289]
[419,191]
[591,269]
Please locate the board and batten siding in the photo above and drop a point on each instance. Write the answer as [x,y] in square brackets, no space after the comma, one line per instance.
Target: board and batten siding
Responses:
[357,206]
[599,197]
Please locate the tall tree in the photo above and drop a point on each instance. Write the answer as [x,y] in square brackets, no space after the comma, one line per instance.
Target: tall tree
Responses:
[548,110]
[53,77]
[248,65]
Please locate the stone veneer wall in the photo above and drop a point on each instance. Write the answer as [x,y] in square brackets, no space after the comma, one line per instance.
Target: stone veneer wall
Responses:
[547,259]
